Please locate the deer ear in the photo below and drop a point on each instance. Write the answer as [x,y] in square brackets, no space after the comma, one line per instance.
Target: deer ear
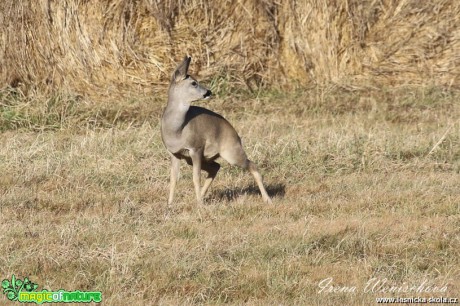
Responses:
[181,70]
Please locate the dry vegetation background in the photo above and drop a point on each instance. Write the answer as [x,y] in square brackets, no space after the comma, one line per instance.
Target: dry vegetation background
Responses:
[107,47]
[350,108]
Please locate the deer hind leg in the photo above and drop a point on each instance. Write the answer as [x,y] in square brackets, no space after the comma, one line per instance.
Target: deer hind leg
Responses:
[258,178]
[211,168]
[237,156]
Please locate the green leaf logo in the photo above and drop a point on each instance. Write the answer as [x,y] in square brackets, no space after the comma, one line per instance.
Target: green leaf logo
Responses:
[5,284]
[15,286]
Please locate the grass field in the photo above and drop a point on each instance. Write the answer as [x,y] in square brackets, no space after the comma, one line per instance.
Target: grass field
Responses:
[365,185]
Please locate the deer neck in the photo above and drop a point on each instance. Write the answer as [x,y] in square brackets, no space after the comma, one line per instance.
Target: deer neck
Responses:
[174,116]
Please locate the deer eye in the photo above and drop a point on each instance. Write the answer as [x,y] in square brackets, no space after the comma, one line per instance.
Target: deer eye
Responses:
[194,84]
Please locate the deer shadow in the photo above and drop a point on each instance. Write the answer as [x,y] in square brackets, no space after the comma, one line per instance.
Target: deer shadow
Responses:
[273,190]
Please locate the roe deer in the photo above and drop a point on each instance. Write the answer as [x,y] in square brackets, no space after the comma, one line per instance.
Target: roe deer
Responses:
[199,135]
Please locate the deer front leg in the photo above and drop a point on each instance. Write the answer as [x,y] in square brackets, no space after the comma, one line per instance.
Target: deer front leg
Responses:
[196,156]
[211,168]
[175,166]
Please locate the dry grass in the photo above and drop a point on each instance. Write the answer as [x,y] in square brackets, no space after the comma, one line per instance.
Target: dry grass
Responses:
[118,47]
[364,170]
[357,195]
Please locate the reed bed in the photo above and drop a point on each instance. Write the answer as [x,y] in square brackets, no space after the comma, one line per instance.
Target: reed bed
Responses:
[121,47]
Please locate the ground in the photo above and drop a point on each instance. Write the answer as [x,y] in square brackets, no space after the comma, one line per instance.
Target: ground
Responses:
[365,188]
